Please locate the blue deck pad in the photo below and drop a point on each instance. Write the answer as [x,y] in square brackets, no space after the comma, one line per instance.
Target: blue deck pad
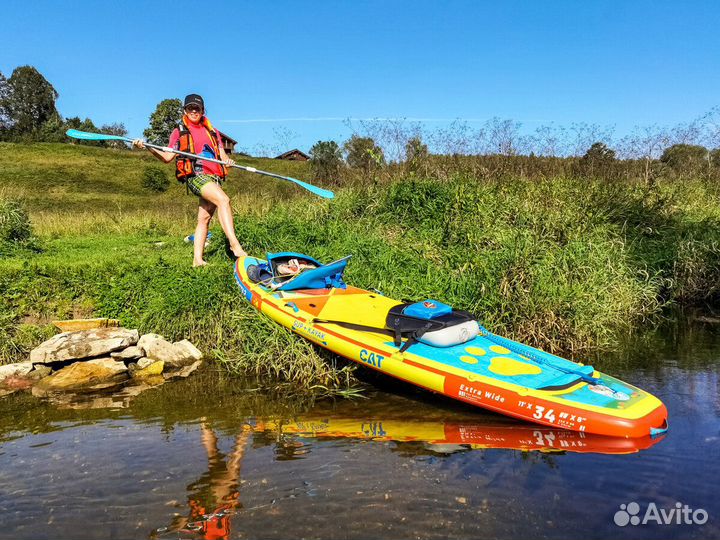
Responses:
[451,356]
[585,395]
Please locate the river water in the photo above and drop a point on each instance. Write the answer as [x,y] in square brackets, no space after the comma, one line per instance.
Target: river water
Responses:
[216,458]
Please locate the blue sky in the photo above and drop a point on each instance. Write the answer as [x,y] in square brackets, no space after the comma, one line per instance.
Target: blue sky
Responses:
[302,66]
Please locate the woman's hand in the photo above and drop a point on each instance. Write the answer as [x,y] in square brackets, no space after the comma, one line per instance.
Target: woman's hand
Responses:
[139,143]
[229,162]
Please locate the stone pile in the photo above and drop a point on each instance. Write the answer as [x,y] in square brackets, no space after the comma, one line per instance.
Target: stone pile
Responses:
[100,359]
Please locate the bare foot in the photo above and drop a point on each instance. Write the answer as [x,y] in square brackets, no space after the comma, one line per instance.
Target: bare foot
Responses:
[239,252]
[199,263]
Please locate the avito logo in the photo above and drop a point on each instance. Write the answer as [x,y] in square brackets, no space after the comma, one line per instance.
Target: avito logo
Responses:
[680,514]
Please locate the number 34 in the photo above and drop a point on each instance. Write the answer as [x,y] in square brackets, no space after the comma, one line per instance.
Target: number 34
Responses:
[549,415]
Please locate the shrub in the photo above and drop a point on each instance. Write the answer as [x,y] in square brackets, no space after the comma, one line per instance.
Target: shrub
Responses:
[685,158]
[326,160]
[363,153]
[155,179]
[598,161]
[416,155]
[14,222]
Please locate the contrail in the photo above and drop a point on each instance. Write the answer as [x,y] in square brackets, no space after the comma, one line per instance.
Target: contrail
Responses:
[343,118]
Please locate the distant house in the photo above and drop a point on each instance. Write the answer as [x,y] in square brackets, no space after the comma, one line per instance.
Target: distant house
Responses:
[294,155]
[228,142]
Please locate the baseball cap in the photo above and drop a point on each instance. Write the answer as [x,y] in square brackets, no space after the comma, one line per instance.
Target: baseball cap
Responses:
[194,99]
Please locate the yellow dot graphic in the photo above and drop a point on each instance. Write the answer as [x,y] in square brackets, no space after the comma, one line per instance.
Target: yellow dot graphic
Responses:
[498,349]
[477,351]
[502,365]
[469,359]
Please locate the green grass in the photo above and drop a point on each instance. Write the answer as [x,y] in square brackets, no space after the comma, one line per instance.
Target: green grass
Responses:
[568,264]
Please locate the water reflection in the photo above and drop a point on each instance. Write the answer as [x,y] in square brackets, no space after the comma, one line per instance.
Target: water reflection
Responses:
[213,497]
[444,437]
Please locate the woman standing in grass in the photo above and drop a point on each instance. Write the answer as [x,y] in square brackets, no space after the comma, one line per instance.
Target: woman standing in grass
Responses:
[204,178]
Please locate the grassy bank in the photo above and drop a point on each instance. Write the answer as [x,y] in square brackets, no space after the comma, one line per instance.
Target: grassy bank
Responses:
[567,264]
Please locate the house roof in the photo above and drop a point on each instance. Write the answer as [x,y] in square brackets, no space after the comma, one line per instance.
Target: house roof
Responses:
[291,152]
[226,136]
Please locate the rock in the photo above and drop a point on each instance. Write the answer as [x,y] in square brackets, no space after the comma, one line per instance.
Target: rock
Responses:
[117,400]
[83,344]
[191,350]
[145,362]
[158,348]
[16,383]
[131,353]
[40,372]
[81,402]
[20,378]
[182,372]
[110,363]
[15,370]
[92,375]
[148,339]
[153,380]
[155,368]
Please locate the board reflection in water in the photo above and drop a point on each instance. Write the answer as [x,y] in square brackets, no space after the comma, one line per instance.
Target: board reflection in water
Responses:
[214,499]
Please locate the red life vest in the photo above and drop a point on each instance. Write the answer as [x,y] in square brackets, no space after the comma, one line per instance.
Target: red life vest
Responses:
[185,166]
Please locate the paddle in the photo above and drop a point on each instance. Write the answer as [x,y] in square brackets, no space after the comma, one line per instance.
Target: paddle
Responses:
[85,136]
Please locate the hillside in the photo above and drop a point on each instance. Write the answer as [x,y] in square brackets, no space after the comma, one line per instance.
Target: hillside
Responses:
[67,178]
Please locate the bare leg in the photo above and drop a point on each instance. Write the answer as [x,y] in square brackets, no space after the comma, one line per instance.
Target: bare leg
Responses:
[215,194]
[205,214]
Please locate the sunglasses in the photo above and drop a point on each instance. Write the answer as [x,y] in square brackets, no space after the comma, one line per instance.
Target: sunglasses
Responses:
[193,109]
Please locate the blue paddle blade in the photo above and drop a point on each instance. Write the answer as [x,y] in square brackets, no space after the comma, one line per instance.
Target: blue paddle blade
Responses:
[313,189]
[85,136]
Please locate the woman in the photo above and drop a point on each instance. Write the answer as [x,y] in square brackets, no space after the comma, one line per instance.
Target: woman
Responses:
[204,178]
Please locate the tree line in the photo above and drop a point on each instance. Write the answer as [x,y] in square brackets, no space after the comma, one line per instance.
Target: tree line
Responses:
[361,159]
[28,111]
[500,148]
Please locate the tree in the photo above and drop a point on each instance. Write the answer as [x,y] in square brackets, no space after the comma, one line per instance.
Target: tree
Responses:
[416,155]
[646,144]
[53,130]
[326,159]
[503,136]
[363,153]
[115,129]
[685,157]
[31,102]
[715,157]
[83,125]
[597,160]
[415,150]
[167,116]
[5,120]
[599,153]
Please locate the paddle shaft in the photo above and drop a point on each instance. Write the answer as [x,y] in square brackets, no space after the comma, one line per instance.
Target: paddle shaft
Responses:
[204,158]
[83,135]
[314,189]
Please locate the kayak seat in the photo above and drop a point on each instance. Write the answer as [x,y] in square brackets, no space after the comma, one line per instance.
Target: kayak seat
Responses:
[323,276]
[326,276]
